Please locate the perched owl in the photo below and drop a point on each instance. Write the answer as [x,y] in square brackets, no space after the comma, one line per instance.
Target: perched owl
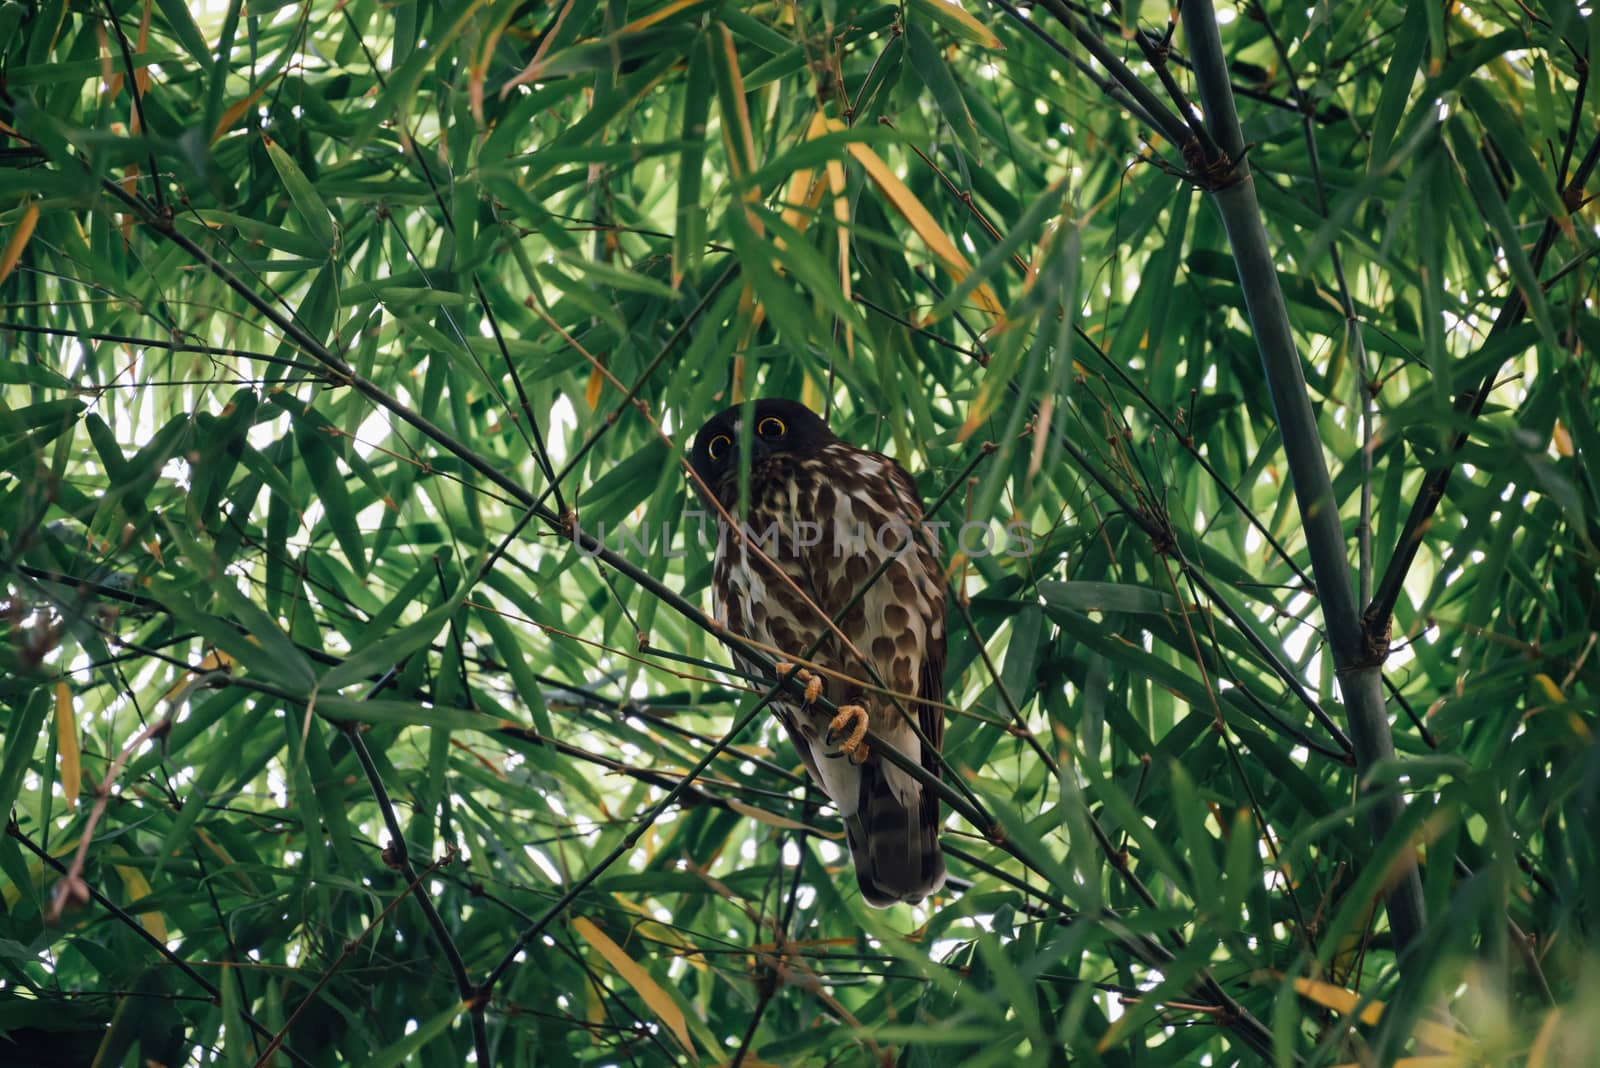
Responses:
[828,514]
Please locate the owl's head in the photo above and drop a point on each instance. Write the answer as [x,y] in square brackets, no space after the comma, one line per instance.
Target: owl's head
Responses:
[776,427]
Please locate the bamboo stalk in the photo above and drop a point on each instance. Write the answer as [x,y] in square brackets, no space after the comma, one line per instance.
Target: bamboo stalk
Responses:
[1359,669]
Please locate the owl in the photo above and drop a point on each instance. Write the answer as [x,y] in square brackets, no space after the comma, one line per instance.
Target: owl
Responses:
[823,516]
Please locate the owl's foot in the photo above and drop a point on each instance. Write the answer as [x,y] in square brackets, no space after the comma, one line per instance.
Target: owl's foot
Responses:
[847,730]
[812,680]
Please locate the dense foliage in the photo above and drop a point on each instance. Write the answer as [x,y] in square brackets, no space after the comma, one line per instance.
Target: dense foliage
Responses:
[358,701]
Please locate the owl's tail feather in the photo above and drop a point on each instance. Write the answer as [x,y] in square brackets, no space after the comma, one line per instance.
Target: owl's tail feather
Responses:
[893,845]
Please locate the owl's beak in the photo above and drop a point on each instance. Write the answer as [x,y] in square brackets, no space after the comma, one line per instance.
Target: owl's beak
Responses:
[759,451]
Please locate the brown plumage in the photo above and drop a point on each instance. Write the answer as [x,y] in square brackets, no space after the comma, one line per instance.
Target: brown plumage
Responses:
[827,514]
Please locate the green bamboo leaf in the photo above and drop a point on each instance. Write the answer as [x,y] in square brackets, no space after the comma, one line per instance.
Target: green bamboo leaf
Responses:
[1397,80]
[688,245]
[32,375]
[516,659]
[220,761]
[183,27]
[995,258]
[313,440]
[307,203]
[1085,596]
[755,31]
[399,93]
[390,650]
[78,71]
[22,733]
[1500,222]
[401,1052]
[53,414]
[289,665]
[1511,140]
[935,74]
[401,713]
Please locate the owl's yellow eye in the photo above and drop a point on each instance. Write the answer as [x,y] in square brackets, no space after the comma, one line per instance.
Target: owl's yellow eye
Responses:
[771,427]
[718,446]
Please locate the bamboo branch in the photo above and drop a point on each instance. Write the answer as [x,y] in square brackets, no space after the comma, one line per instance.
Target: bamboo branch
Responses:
[1380,612]
[1124,87]
[397,855]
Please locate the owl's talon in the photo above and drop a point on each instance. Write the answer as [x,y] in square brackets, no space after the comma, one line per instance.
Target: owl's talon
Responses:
[812,680]
[813,687]
[847,729]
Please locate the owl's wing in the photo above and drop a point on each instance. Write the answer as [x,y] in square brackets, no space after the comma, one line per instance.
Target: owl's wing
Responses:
[930,710]
[893,824]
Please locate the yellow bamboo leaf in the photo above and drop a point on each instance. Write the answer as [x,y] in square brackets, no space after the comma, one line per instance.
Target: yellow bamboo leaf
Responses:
[1562,438]
[1441,1060]
[800,200]
[804,192]
[841,216]
[637,909]
[18,240]
[141,77]
[978,411]
[535,68]
[1539,1052]
[736,128]
[648,927]
[1552,692]
[11,893]
[478,69]
[1041,433]
[215,660]
[138,887]
[956,19]
[811,393]
[231,116]
[659,15]
[774,820]
[130,185]
[67,745]
[649,991]
[911,209]
[211,844]
[1339,999]
[591,392]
